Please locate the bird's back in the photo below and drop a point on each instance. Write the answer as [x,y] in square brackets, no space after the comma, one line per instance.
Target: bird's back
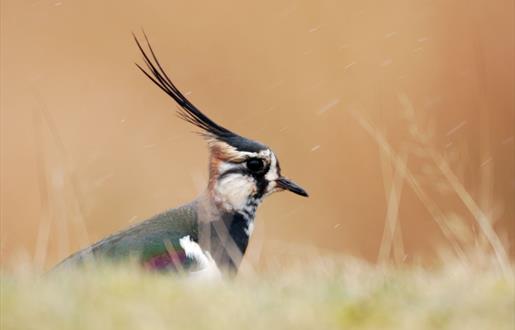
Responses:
[154,242]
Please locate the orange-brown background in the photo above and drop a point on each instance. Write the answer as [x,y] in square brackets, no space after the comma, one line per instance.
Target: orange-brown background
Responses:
[88,145]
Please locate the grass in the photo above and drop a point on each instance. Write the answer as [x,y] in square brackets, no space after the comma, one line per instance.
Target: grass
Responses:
[332,294]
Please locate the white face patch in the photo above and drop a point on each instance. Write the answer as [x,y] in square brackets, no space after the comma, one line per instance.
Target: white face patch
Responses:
[233,191]
[208,268]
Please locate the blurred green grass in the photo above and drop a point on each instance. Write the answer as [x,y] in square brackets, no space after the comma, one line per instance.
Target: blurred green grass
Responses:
[328,294]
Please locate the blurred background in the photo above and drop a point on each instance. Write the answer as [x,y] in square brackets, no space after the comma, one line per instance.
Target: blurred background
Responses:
[397,117]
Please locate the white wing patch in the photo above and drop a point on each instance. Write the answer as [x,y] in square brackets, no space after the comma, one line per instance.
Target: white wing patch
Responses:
[208,267]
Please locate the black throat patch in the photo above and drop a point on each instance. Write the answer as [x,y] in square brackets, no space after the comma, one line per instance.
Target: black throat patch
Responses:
[237,227]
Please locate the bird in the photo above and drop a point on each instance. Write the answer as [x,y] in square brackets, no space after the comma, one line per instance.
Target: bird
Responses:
[209,235]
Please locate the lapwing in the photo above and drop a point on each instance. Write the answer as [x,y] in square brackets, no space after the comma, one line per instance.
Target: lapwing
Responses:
[210,234]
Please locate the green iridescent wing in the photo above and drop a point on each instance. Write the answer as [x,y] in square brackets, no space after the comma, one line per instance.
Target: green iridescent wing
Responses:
[154,243]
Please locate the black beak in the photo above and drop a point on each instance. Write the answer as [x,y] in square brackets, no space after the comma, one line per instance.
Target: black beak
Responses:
[286,184]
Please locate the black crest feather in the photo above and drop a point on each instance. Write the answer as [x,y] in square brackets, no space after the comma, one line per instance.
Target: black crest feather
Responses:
[188,111]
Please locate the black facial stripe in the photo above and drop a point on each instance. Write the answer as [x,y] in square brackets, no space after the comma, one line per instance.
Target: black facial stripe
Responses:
[261,184]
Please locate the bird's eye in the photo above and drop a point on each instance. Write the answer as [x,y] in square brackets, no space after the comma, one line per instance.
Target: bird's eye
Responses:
[255,164]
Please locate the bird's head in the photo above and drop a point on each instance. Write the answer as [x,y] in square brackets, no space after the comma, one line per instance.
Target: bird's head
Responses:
[241,171]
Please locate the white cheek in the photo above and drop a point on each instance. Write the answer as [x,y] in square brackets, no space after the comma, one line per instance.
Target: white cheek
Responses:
[234,190]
